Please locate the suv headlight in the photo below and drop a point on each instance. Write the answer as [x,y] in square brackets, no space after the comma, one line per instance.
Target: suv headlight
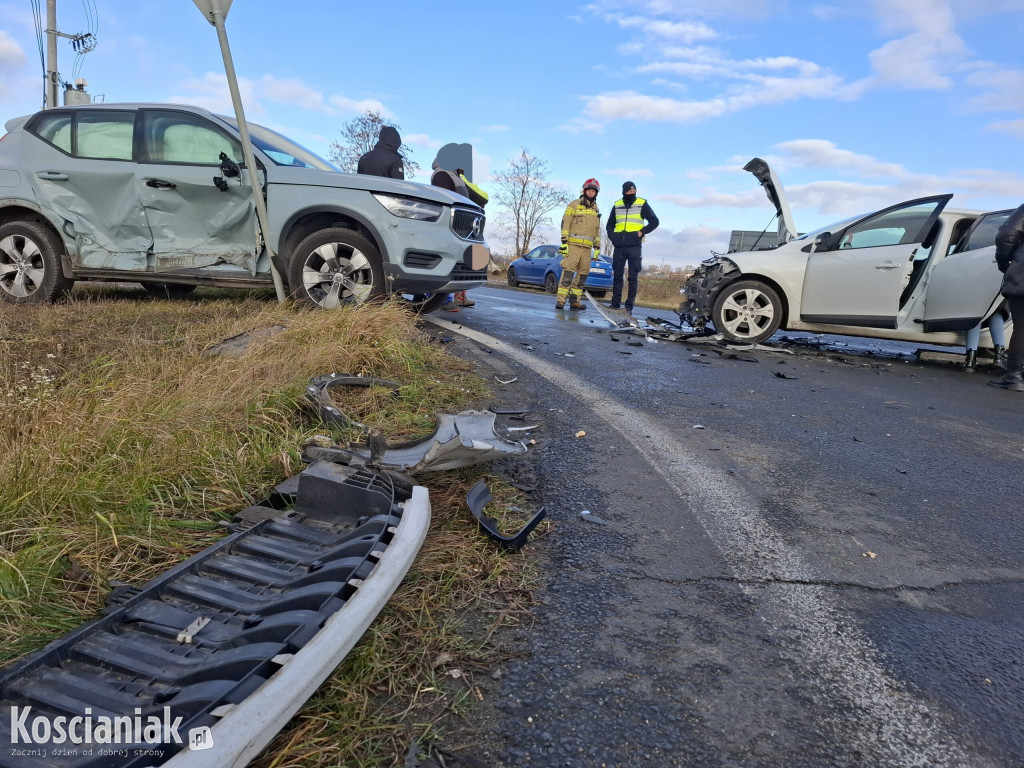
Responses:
[410,209]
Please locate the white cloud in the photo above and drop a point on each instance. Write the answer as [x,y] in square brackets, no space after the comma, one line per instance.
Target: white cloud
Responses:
[631,105]
[211,91]
[498,128]
[345,104]
[920,59]
[1002,90]
[12,61]
[688,246]
[755,89]
[12,57]
[1013,127]
[291,91]
[684,31]
[630,173]
[819,153]
[750,9]
[421,140]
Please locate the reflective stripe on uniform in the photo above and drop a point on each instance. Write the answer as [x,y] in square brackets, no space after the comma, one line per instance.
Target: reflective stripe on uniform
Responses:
[628,218]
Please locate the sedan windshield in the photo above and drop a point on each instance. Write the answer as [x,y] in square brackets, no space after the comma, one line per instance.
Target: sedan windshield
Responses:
[831,228]
[280,149]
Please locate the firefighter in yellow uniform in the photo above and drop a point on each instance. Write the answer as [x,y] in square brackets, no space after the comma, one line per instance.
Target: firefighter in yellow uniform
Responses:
[581,236]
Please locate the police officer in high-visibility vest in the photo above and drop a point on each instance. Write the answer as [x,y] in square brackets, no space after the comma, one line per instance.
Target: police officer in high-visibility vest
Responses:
[626,229]
[581,235]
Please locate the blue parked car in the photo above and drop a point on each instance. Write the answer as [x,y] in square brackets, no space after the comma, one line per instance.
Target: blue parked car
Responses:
[543,266]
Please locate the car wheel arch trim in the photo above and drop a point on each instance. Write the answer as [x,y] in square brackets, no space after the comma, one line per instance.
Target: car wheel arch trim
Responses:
[371,232]
[33,214]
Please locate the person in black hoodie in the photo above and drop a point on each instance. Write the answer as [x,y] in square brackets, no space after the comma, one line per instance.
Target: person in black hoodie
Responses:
[631,219]
[1010,260]
[383,159]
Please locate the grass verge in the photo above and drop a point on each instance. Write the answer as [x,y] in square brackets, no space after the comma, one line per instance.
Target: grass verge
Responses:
[123,445]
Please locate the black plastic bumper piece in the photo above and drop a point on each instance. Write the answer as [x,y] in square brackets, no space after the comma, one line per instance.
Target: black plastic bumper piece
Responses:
[479,496]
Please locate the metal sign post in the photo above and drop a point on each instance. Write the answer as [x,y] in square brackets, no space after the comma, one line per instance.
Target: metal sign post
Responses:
[216,11]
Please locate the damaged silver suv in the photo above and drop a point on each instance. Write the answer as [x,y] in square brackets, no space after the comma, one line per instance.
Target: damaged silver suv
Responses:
[158,194]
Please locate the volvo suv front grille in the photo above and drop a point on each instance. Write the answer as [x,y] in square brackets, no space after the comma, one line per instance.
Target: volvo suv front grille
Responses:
[468,224]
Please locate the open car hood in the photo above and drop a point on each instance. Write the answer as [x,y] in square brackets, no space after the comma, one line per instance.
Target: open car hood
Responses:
[773,188]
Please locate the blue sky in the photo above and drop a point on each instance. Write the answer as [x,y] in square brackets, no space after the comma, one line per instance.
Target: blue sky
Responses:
[856,103]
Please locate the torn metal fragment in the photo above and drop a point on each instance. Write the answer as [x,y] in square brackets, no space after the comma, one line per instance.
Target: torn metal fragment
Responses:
[619,318]
[317,392]
[479,496]
[460,440]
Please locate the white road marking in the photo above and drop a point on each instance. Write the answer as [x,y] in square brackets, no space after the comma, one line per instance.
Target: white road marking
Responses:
[842,660]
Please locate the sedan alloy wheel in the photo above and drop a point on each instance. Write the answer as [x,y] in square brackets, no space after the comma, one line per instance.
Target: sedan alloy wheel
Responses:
[747,311]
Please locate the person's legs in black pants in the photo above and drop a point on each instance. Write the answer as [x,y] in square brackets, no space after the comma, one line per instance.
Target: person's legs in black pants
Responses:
[618,266]
[1015,349]
[1014,378]
[633,256]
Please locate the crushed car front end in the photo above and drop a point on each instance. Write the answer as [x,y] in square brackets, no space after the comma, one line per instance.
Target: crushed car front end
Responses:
[700,289]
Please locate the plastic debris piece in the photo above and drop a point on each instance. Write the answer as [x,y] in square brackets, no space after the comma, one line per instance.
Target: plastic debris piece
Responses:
[587,515]
[460,440]
[509,410]
[581,433]
[872,555]
[522,429]
[782,375]
[479,496]
[318,393]
[699,426]
[502,381]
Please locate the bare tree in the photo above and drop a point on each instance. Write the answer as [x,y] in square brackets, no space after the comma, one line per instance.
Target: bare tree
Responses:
[359,136]
[527,196]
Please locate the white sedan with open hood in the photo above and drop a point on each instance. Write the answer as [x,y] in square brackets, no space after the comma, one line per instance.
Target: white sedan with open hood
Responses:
[916,271]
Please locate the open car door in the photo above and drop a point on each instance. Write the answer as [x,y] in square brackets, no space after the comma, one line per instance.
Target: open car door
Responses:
[964,285]
[857,276]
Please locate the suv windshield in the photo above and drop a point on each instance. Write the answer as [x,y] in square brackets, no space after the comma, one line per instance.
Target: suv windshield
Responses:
[282,150]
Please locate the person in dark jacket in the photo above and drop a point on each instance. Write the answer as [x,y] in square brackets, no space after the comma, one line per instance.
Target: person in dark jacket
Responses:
[383,159]
[632,218]
[1010,260]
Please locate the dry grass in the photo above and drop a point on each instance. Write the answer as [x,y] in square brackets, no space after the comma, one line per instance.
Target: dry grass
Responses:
[122,446]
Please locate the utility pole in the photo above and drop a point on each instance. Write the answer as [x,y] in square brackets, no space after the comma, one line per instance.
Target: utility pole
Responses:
[51,54]
[83,42]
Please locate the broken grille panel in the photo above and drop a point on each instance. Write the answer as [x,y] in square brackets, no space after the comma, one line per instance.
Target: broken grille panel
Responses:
[207,633]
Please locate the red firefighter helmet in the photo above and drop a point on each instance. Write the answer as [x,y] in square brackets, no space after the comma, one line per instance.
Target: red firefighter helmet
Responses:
[592,184]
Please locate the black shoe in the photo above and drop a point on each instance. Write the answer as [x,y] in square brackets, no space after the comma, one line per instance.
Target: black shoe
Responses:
[970,361]
[614,305]
[999,361]
[1012,385]
[629,310]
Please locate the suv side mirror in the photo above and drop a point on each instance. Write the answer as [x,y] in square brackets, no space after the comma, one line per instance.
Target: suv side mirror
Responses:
[229,167]
[824,242]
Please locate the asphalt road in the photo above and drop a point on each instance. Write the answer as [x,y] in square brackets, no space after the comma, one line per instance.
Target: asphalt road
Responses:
[821,569]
